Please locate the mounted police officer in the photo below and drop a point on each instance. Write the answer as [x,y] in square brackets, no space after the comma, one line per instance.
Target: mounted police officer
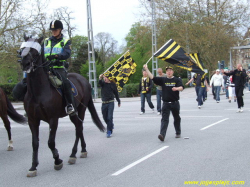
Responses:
[57,49]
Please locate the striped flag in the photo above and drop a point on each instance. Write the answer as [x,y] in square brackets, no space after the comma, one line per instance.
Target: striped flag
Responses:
[173,53]
[121,70]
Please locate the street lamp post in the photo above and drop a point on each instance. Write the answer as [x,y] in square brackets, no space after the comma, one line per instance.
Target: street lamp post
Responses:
[154,40]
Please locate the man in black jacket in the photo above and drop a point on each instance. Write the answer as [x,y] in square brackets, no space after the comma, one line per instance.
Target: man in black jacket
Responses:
[239,79]
[108,91]
[145,88]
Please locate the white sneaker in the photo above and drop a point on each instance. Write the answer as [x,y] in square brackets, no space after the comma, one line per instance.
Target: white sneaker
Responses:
[153,110]
[158,113]
[217,101]
[199,107]
[141,113]
[238,111]
[241,109]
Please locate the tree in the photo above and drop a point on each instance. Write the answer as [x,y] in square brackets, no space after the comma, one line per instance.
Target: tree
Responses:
[209,27]
[79,53]
[105,46]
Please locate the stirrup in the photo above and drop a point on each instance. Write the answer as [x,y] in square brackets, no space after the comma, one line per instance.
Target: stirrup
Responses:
[70,109]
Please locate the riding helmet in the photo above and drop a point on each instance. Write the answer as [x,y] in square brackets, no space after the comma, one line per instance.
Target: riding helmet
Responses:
[55,25]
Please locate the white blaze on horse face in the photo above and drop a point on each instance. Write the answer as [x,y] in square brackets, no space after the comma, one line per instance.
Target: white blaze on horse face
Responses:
[32,44]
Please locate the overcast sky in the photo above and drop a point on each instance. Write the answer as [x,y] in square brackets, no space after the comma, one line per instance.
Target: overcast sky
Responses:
[113,16]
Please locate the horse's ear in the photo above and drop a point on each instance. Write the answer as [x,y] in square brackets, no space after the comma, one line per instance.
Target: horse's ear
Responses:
[40,40]
[25,37]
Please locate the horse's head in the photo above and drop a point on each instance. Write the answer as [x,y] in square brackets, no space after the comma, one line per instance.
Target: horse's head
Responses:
[30,52]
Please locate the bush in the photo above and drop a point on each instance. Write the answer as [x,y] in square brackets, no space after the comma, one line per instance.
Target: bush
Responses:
[7,88]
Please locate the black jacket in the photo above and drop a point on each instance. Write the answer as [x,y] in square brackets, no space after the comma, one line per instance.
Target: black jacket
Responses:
[239,77]
[108,91]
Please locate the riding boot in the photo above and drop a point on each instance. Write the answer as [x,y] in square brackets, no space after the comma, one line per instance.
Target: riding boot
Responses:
[68,97]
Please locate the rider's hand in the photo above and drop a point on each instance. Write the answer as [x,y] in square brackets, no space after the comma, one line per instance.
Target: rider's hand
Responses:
[51,57]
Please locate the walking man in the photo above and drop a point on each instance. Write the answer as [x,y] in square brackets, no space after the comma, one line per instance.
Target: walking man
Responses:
[239,79]
[218,82]
[159,91]
[108,91]
[145,87]
[225,77]
[199,82]
[171,86]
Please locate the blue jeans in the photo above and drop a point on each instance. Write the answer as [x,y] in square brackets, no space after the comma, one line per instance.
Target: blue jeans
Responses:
[217,92]
[199,92]
[148,97]
[226,90]
[107,113]
[158,96]
[204,93]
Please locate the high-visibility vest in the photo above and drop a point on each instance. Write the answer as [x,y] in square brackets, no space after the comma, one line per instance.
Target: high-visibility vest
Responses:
[57,49]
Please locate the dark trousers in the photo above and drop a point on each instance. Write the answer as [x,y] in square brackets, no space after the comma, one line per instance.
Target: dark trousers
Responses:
[107,113]
[159,96]
[175,109]
[148,97]
[199,92]
[66,86]
[239,94]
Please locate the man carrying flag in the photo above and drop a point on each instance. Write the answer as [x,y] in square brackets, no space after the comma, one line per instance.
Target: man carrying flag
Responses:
[172,53]
[171,86]
[108,92]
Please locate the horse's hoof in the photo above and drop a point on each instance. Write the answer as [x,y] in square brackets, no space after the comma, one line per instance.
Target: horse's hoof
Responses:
[31,173]
[10,148]
[83,154]
[58,167]
[72,160]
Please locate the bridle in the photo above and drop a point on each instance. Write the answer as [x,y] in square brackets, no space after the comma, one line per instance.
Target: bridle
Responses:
[25,51]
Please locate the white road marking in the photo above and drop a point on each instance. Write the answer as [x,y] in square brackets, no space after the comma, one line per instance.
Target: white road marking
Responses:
[201,116]
[138,161]
[214,124]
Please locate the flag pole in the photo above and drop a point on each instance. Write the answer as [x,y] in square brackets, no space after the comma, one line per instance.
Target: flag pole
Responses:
[149,59]
[116,61]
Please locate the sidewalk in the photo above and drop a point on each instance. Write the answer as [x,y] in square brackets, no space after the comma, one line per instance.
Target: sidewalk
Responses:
[188,92]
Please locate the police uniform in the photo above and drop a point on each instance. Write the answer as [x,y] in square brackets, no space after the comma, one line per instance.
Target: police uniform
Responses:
[57,51]
[170,103]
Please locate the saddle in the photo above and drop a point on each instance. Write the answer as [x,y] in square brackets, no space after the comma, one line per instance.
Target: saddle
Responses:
[57,83]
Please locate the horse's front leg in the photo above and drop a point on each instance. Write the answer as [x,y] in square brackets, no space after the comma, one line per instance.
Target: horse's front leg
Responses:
[34,127]
[52,145]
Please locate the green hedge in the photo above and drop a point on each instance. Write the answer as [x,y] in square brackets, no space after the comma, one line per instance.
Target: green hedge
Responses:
[8,90]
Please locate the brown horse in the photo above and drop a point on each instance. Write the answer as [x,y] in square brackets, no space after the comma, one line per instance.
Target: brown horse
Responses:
[43,102]
[7,109]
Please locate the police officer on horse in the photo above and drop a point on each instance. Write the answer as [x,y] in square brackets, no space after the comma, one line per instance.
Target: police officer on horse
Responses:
[57,49]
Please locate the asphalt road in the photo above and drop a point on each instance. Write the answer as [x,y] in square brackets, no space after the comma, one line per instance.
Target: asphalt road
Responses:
[217,148]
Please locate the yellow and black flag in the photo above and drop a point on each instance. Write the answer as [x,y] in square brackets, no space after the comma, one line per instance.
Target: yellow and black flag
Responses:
[121,70]
[196,57]
[173,53]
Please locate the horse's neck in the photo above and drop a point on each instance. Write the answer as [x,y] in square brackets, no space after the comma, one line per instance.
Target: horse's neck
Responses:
[38,82]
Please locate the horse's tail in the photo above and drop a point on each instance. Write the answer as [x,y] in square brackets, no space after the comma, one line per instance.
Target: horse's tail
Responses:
[95,116]
[12,113]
